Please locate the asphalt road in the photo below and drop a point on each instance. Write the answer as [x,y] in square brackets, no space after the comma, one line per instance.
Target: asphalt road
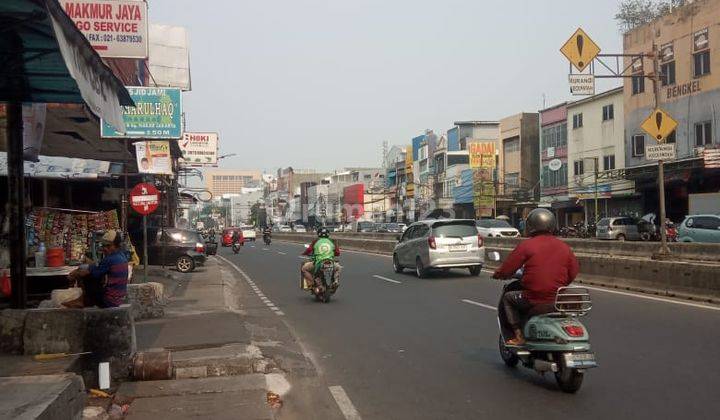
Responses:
[407,348]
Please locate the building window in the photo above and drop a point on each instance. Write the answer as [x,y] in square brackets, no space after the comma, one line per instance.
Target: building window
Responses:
[608,162]
[608,112]
[667,74]
[702,63]
[577,120]
[512,180]
[638,144]
[703,133]
[512,145]
[638,85]
[578,167]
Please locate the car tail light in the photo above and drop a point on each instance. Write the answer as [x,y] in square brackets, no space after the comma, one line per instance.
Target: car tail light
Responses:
[199,247]
[431,242]
[480,241]
[574,330]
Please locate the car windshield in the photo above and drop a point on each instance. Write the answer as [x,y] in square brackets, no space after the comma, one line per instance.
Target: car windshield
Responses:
[493,223]
[185,236]
[454,230]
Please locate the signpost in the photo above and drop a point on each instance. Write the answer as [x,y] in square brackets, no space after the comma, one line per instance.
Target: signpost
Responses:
[580,50]
[144,199]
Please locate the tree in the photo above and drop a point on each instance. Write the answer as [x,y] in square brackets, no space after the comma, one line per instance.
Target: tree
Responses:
[634,13]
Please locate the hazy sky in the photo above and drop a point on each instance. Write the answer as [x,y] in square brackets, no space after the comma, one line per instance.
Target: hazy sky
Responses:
[320,84]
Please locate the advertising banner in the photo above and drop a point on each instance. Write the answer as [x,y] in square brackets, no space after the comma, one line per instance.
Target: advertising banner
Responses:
[410,185]
[153,157]
[482,154]
[199,149]
[169,59]
[482,161]
[114,28]
[157,114]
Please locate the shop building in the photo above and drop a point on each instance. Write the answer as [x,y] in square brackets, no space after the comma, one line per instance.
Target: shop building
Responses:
[688,42]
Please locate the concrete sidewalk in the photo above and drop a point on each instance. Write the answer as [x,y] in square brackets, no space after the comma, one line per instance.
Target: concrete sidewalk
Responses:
[231,356]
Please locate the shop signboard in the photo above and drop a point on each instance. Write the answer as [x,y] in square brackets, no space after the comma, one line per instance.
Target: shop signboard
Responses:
[157,114]
[199,149]
[482,154]
[144,198]
[153,157]
[114,28]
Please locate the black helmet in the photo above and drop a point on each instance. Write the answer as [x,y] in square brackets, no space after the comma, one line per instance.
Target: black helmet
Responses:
[540,221]
[323,232]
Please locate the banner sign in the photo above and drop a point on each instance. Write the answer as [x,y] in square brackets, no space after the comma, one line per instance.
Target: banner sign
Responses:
[60,167]
[660,152]
[410,184]
[199,149]
[114,28]
[482,154]
[153,157]
[156,115]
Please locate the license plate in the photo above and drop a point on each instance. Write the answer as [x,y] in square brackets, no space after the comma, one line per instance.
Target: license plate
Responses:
[457,248]
[582,356]
[580,360]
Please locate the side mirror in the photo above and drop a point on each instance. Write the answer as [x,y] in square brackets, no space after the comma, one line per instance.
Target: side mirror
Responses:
[493,256]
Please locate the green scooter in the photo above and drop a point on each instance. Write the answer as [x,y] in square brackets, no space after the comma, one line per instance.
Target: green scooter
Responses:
[555,339]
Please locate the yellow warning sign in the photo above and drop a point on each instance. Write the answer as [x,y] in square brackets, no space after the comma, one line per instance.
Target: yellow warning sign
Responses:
[659,125]
[580,50]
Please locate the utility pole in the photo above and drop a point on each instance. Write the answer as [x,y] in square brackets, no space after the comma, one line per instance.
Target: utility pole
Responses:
[664,251]
[596,218]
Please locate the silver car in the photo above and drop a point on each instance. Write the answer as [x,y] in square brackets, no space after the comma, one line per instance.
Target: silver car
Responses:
[440,244]
[618,228]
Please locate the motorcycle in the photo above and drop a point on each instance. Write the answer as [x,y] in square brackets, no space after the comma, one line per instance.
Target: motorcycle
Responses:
[556,341]
[236,247]
[325,281]
[267,239]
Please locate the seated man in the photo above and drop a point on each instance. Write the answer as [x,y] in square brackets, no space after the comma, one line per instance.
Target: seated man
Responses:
[105,284]
[320,249]
[548,264]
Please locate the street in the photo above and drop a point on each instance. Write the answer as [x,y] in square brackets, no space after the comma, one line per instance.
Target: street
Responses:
[404,348]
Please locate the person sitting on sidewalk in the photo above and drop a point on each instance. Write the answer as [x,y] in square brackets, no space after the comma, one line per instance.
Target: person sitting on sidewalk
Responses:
[104,284]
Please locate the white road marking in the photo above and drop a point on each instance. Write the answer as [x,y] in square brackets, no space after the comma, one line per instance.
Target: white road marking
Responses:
[387,279]
[482,305]
[254,287]
[282,253]
[343,401]
[266,249]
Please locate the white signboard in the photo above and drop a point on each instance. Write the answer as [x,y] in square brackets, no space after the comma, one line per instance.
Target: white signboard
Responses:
[555,165]
[169,56]
[153,157]
[660,152]
[115,28]
[582,84]
[199,149]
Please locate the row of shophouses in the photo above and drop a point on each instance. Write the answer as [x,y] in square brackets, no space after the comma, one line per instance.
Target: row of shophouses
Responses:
[572,155]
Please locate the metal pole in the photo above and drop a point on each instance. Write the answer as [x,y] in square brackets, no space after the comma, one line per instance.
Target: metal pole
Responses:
[596,191]
[145,253]
[664,250]
[124,199]
[16,204]
[163,197]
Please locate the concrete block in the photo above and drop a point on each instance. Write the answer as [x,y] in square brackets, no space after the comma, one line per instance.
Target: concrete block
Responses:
[54,331]
[147,300]
[45,397]
[110,335]
[192,372]
[12,325]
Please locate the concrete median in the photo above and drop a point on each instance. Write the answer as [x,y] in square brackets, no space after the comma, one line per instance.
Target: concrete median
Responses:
[694,272]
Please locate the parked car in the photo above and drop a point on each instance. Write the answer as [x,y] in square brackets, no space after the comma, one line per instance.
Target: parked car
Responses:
[228,234]
[381,228]
[183,249]
[366,227]
[300,229]
[393,228]
[284,229]
[403,227]
[700,228]
[249,233]
[442,244]
[618,228]
[496,228]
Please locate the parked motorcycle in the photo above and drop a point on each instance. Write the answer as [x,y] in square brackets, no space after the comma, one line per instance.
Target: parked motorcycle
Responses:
[556,341]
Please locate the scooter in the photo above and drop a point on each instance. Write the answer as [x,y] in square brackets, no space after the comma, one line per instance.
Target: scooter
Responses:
[556,341]
[267,239]
[236,247]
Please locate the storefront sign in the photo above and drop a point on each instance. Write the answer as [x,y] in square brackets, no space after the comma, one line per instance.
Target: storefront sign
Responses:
[144,198]
[683,90]
[482,154]
[582,84]
[153,157]
[555,165]
[199,149]
[660,152]
[114,28]
[156,115]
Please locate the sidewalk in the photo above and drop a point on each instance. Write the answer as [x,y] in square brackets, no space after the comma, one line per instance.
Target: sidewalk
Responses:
[232,357]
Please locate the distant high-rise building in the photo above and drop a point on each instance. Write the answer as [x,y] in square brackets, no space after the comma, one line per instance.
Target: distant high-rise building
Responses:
[231,181]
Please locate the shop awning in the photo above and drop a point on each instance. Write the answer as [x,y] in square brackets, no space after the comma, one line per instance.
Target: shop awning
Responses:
[46,59]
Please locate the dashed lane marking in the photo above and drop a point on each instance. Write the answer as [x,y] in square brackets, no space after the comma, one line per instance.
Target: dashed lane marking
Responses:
[282,253]
[343,401]
[254,287]
[387,279]
[482,305]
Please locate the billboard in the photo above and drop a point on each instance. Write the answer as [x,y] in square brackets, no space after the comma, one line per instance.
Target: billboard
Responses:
[199,149]
[153,157]
[410,185]
[482,154]
[114,28]
[156,115]
[482,162]
[169,59]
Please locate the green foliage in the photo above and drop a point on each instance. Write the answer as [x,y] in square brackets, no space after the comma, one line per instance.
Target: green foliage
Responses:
[634,13]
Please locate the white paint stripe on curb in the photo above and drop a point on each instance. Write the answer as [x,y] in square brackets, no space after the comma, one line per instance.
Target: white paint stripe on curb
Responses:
[387,279]
[256,289]
[482,305]
[343,401]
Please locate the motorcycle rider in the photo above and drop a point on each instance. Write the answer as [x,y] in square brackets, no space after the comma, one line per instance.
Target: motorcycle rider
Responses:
[320,249]
[548,264]
[267,232]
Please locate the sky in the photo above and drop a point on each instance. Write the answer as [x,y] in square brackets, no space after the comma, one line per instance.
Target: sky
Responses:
[321,84]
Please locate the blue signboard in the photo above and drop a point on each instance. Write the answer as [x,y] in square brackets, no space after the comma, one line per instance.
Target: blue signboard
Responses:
[156,115]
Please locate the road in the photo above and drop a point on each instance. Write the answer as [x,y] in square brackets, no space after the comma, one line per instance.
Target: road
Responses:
[399,347]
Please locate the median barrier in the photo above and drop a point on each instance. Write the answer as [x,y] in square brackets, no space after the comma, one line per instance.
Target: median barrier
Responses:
[628,266]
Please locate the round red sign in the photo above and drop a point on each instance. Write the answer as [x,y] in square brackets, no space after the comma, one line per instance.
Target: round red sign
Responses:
[144,198]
